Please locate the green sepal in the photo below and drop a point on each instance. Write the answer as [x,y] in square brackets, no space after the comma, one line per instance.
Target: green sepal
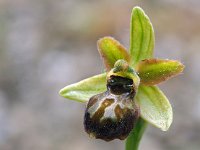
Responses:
[141,36]
[111,51]
[83,90]
[155,71]
[154,107]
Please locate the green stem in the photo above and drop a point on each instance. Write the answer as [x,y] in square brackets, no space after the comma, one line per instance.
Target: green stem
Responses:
[133,140]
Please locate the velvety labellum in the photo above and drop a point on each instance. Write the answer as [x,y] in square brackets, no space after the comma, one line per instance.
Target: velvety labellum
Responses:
[112,114]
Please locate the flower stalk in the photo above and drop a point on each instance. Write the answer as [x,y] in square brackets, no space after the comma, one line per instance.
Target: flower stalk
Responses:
[133,140]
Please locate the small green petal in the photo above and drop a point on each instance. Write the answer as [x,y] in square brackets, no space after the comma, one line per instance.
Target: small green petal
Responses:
[111,51]
[83,90]
[154,107]
[141,36]
[155,71]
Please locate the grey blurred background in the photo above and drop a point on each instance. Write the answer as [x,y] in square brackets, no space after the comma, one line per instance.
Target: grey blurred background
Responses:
[47,44]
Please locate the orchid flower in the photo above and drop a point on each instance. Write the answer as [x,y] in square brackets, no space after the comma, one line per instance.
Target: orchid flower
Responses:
[123,100]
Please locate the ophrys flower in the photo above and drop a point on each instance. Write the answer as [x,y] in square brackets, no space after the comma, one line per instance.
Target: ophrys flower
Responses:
[115,99]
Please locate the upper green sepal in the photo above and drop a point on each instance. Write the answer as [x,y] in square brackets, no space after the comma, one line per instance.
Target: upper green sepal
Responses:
[155,71]
[154,107]
[111,51]
[141,36]
[83,90]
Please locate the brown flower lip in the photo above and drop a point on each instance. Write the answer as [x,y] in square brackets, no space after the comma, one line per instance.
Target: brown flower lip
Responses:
[112,114]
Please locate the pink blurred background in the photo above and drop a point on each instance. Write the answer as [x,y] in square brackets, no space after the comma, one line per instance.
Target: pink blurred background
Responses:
[47,44]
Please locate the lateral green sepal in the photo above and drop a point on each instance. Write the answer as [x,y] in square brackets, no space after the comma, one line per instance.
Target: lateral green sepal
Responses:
[83,90]
[154,107]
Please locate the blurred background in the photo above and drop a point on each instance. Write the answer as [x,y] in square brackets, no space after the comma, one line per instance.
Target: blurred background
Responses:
[47,44]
